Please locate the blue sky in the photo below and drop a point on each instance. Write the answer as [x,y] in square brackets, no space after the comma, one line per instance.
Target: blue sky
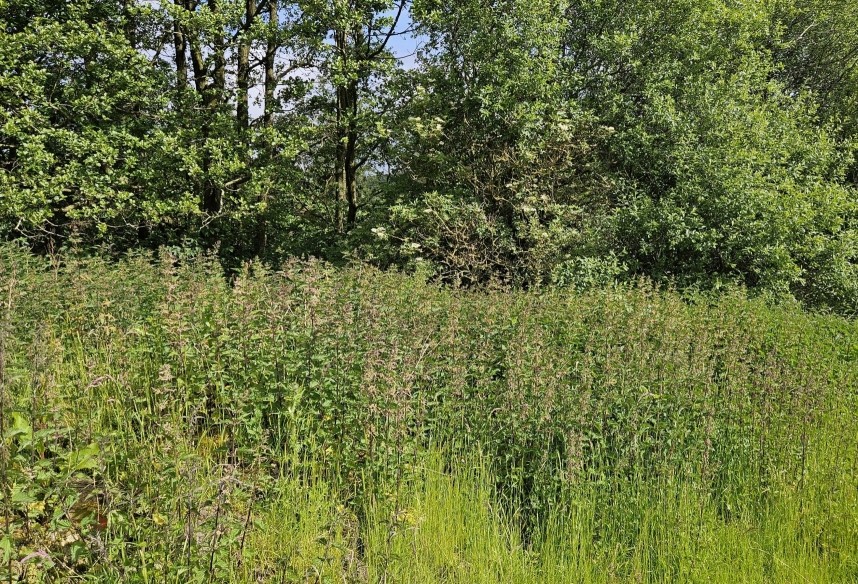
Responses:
[405,46]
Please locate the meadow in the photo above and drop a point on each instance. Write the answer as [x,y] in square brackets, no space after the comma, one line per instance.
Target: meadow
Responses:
[164,424]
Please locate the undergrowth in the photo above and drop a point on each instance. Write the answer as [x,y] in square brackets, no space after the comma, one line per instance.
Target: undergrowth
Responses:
[160,424]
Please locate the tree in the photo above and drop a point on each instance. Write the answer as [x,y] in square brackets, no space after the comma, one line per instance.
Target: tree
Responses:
[241,158]
[496,166]
[356,67]
[81,109]
[721,172]
[818,53]
[535,142]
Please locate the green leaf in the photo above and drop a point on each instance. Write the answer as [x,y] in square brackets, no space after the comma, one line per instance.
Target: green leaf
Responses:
[83,459]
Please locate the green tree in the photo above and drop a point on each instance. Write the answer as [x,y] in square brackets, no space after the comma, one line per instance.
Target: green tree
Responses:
[494,175]
[239,157]
[720,172]
[355,70]
[82,111]
[818,52]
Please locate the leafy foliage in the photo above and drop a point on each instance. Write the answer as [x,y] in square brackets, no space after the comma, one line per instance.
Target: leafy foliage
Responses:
[721,173]
[156,420]
[547,142]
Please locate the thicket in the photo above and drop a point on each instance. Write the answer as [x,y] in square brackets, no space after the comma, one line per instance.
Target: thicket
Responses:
[160,424]
[701,144]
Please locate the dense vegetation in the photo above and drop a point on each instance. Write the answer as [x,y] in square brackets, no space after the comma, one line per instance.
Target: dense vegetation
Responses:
[702,143]
[428,291]
[328,425]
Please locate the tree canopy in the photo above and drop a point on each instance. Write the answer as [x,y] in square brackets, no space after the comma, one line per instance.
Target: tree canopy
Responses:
[699,143]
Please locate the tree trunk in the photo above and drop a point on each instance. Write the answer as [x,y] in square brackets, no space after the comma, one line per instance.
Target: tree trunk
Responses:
[242,97]
[340,156]
[129,26]
[201,80]
[351,156]
[209,202]
[261,236]
[180,44]
[346,134]
[219,58]
[213,94]
[270,54]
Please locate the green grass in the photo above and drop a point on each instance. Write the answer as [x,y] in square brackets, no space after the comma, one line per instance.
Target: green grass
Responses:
[315,425]
[450,531]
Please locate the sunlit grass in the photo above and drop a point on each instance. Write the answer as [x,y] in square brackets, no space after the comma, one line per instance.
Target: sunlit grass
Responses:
[321,426]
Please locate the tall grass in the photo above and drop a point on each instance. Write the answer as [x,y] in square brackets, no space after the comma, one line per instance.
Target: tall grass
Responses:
[162,425]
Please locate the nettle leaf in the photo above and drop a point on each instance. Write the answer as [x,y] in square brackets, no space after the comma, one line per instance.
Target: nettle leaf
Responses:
[19,427]
[83,459]
[22,495]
